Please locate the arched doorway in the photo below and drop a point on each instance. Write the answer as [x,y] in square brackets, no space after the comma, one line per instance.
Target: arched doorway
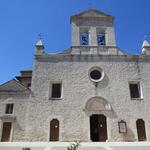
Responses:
[54,130]
[98,128]
[97,108]
[140,125]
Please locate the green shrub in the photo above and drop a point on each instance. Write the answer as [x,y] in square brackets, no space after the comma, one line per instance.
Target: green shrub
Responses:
[26,148]
[73,146]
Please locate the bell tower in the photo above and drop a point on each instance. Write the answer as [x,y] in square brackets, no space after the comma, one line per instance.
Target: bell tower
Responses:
[93,28]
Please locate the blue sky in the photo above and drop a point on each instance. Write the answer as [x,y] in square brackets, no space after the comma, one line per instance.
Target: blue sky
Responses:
[22,20]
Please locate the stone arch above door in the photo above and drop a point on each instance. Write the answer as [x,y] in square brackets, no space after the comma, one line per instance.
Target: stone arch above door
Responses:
[97,105]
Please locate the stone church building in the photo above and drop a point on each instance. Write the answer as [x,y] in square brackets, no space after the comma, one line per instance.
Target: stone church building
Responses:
[92,91]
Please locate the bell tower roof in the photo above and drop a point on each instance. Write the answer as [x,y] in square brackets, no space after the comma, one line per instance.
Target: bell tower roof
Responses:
[39,47]
[39,43]
[146,47]
[145,43]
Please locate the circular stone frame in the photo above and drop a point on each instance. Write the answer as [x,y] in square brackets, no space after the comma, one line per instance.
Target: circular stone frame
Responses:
[99,72]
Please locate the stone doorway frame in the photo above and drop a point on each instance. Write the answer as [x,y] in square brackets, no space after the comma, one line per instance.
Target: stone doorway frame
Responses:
[99,105]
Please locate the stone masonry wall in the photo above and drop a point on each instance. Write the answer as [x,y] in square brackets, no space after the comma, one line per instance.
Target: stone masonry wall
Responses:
[18,131]
[72,71]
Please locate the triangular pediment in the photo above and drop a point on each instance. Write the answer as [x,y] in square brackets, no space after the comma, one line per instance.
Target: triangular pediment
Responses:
[12,86]
[92,13]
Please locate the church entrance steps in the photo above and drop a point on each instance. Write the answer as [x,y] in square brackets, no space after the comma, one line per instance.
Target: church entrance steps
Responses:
[82,146]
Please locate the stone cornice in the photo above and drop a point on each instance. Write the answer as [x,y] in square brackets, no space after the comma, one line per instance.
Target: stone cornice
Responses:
[92,58]
[75,19]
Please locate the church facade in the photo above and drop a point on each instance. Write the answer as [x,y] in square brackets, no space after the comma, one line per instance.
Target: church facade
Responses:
[92,91]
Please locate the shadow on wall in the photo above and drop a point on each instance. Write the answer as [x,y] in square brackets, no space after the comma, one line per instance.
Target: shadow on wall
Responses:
[17,125]
[129,136]
[111,114]
[116,136]
[102,84]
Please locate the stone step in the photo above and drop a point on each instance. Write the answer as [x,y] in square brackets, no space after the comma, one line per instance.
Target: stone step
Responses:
[82,146]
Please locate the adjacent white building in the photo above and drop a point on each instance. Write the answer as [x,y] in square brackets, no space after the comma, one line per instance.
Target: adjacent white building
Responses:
[92,91]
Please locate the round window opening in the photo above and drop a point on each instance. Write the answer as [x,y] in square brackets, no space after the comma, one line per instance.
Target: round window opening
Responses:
[96,74]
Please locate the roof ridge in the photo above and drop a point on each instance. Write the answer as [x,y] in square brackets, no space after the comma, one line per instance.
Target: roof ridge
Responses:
[15,82]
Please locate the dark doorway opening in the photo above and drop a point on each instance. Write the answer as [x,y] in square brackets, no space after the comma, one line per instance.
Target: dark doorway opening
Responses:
[140,125]
[54,130]
[98,128]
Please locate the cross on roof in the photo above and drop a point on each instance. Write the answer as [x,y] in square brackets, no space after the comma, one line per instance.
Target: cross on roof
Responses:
[90,4]
[40,36]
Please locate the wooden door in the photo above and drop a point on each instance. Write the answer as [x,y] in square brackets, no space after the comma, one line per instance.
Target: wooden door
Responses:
[6,131]
[102,128]
[140,125]
[98,128]
[94,128]
[54,130]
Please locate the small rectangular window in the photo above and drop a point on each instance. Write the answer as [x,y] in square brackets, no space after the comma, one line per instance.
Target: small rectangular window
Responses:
[84,38]
[56,90]
[135,90]
[101,39]
[29,85]
[9,108]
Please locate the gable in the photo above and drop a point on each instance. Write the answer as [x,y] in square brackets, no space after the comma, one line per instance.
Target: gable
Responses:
[92,13]
[12,86]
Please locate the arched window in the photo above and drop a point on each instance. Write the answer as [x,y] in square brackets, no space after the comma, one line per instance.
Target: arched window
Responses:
[140,125]
[54,130]
[101,39]
[84,39]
